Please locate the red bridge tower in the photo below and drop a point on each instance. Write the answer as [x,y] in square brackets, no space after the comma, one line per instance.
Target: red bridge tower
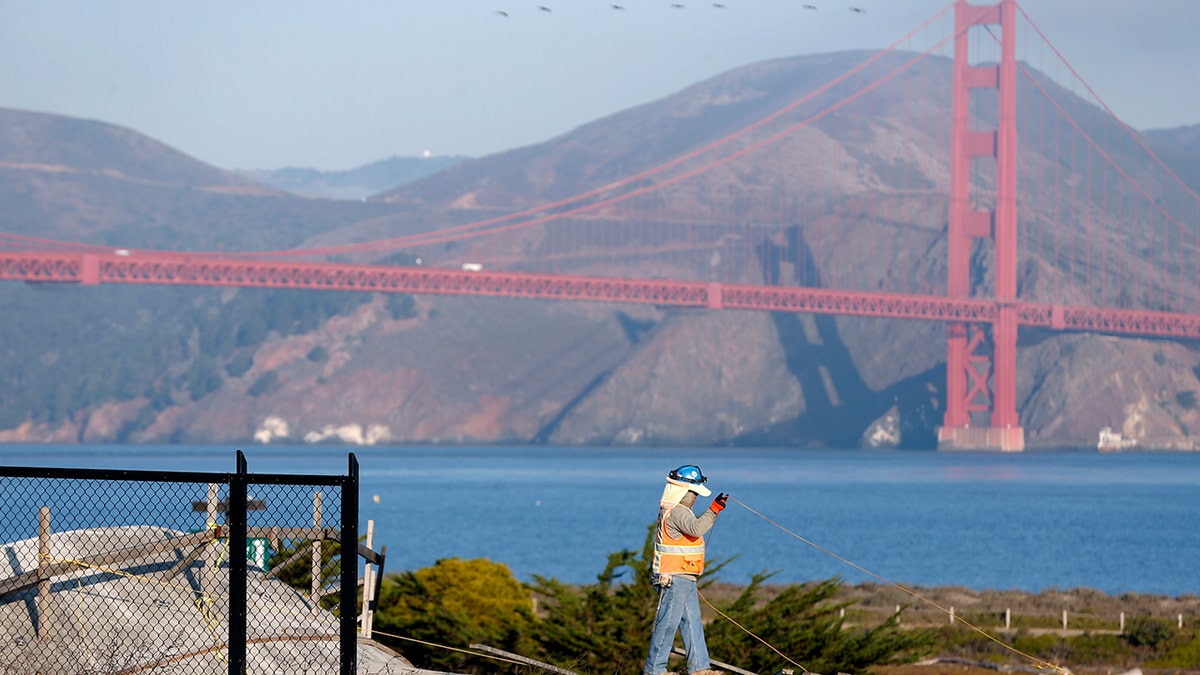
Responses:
[967,365]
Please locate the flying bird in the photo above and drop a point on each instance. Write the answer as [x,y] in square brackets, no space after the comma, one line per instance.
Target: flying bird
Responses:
[617,7]
[676,5]
[859,10]
[810,7]
[502,13]
[718,5]
[544,8]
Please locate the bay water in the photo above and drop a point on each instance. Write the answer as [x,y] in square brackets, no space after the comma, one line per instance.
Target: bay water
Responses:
[1122,522]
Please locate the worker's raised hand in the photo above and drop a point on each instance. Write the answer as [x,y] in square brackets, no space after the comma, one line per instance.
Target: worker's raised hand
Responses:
[719,503]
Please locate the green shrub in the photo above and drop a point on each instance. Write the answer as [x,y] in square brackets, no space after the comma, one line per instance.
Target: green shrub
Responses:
[455,603]
[202,378]
[602,627]
[1182,652]
[1099,648]
[240,363]
[266,383]
[1187,399]
[1048,647]
[401,306]
[298,573]
[252,330]
[1148,631]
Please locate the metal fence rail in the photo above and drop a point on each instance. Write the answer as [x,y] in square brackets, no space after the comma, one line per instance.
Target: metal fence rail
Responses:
[114,571]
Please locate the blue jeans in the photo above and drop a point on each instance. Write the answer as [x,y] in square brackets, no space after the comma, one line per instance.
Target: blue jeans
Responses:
[678,610]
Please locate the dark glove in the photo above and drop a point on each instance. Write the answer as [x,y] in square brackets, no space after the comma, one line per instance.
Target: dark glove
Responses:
[719,503]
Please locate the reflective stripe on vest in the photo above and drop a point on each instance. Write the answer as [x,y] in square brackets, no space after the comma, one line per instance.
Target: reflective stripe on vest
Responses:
[683,555]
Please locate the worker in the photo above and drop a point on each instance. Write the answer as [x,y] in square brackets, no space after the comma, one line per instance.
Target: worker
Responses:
[678,563]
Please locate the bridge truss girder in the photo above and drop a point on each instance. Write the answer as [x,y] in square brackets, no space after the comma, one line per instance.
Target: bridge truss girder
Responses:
[144,267]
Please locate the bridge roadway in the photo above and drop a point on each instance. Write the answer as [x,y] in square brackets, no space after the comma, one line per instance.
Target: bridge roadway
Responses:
[152,267]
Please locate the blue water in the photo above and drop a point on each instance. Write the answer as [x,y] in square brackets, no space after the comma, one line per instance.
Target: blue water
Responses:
[1034,521]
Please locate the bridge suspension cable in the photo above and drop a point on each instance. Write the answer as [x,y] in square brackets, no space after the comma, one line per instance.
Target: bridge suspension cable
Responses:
[475,228]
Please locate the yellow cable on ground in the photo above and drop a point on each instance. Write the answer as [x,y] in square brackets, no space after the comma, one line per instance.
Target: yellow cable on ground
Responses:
[203,603]
[178,587]
[448,648]
[1039,663]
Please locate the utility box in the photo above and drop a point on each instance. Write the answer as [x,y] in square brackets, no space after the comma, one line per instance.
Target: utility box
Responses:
[258,552]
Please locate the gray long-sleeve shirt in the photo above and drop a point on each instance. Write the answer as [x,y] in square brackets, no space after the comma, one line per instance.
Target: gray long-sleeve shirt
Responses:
[681,520]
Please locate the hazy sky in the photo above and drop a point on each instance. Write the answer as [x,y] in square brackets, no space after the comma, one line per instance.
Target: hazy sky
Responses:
[271,83]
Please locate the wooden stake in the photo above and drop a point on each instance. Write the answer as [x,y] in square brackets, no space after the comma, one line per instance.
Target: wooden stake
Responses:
[368,595]
[43,595]
[208,572]
[316,547]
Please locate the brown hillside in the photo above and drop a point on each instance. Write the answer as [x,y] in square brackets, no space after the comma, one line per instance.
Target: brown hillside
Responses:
[79,180]
[38,141]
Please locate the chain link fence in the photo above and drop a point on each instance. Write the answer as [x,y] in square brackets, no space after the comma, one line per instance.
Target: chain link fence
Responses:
[109,571]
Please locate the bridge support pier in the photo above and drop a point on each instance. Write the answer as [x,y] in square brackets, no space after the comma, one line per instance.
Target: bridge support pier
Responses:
[1005,439]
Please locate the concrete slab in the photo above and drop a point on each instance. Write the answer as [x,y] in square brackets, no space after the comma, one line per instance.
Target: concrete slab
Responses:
[132,616]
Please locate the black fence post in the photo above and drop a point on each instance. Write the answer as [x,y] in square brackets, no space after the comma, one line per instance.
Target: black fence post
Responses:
[238,495]
[349,591]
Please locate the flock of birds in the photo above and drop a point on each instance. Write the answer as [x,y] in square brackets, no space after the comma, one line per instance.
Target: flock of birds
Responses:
[679,5]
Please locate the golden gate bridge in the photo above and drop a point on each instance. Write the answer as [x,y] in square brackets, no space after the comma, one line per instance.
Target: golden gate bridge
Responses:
[1103,246]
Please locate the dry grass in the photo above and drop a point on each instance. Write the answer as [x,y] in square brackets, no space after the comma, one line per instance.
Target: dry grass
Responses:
[1087,609]
[956,669]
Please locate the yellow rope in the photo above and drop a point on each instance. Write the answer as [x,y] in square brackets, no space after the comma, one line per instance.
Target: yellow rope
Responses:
[113,571]
[470,652]
[220,554]
[204,603]
[1039,663]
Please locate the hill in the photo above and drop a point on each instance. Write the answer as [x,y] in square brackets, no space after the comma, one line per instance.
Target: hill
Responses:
[79,180]
[1179,148]
[219,366]
[1184,139]
[356,183]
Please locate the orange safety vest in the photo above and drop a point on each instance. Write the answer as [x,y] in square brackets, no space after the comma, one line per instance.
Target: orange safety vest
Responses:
[684,555]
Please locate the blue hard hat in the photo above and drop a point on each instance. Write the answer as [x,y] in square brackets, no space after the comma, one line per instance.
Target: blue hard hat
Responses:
[688,473]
